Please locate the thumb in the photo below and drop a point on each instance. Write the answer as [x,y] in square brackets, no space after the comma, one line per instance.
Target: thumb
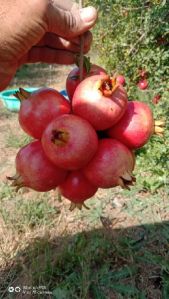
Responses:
[67,20]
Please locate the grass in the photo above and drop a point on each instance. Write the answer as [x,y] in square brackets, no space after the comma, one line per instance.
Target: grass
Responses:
[146,206]
[99,263]
[32,71]
[101,266]
[15,141]
[20,213]
[95,267]
[39,75]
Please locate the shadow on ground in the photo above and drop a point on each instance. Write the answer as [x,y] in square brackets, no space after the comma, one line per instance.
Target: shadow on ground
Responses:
[105,263]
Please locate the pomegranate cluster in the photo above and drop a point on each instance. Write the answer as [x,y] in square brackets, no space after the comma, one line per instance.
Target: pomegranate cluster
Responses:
[84,143]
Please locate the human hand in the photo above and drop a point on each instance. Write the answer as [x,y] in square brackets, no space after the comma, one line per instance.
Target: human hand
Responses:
[41,31]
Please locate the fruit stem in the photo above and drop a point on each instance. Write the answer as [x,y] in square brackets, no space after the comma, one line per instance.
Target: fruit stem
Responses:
[86,65]
[81,47]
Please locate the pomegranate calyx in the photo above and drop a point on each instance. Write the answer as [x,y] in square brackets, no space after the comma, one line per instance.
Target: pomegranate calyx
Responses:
[127,177]
[78,205]
[60,137]
[22,94]
[17,181]
[108,86]
[85,206]
[126,180]
[12,178]
[159,126]
[59,197]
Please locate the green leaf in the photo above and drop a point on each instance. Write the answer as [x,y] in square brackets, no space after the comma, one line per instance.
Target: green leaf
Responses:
[125,289]
[86,62]
[141,295]
[124,273]
[165,292]
[97,292]
[60,294]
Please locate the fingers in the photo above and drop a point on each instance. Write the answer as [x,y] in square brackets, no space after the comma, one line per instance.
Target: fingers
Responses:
[88,37]
[54,49]
[53,41]
[5,81]
[7,72]
[71,21]
[48,55]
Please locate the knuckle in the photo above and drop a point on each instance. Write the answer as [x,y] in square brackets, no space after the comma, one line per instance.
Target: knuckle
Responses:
[71,23]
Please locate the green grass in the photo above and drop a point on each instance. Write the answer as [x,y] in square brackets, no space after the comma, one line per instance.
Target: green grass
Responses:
[95,265]
[32,71]
[124,263]
[21,214]
[5,192]
[15,141]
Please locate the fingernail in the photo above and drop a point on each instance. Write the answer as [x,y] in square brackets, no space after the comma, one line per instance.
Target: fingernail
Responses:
[88,14]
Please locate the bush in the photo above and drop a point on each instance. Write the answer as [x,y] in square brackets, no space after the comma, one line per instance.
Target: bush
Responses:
[132,35]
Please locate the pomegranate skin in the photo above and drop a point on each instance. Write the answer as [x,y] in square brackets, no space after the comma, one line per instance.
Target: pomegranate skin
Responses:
[77,188]
[39,109]
[34,169]
[70,142]
[111,166]
[90,103]
[156,99]
[136,126]
[73,78]
[143,74]
[121,79]
[143,84]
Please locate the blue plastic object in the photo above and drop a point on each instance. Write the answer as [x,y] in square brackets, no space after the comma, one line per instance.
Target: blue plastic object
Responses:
[12,103]
[9,101]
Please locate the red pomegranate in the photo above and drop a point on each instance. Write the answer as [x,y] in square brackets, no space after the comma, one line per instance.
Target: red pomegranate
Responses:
[77,188]
[156,99]
[70,142]
[120,79]
[136,126]
[143,73]
[73,78]
[100,100]
[111,166]
[34,170]
[143,84]
[39,108]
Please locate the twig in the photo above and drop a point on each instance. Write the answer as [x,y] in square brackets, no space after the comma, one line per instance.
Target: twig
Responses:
[134,8]
[137,42]
[81,48]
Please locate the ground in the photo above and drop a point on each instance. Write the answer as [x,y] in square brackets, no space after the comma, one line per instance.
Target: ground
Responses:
[117,249]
